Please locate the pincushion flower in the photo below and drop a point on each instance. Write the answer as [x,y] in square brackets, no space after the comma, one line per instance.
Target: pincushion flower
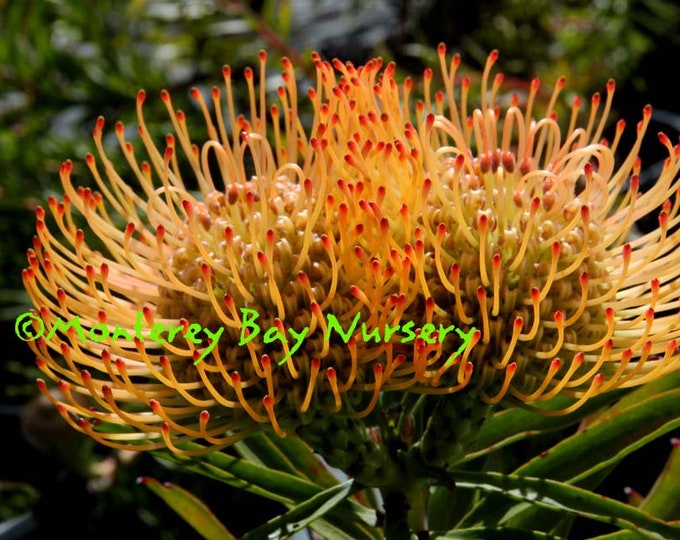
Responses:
[500,238]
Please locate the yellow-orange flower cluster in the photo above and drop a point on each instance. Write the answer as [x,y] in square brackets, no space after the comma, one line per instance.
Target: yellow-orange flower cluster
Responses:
[481,215]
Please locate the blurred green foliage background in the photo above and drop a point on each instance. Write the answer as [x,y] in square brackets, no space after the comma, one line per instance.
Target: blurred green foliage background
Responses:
[65,62]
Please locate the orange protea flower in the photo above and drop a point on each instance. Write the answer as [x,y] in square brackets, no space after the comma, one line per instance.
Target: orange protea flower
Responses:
[482,250]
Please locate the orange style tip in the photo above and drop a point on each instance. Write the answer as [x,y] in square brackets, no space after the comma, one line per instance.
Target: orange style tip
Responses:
[330,373]
[195,93]
[675,442]
[441,49]
[511,368]
[226,71]
[204,416]
[141,96]
[556,248]
[236,378]
[165,95]
[41,384]
[493,55]
[303,278]
[165,428]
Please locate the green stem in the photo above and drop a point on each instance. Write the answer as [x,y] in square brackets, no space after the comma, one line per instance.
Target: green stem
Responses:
[396,515]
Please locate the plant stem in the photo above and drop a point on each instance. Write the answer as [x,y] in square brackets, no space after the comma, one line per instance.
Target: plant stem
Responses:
[396,513]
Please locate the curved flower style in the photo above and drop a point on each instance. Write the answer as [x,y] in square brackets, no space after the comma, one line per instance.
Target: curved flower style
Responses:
[277,274]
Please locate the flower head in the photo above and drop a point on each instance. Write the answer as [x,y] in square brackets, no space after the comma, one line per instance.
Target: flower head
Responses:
[499,240]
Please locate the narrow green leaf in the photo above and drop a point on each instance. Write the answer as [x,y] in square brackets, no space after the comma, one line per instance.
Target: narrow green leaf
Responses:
[594,449]
[509,425]
[303,514]
[619,535]
[279,486]
[446,507]
[292,454]
[565,498]
[189,508]
[500,533]
[662,500]
[289,454]
[240,473]
[609,440]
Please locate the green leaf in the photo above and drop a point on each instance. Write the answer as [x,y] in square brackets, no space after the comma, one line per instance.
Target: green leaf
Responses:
[189,508]
[604,443]
[610,439]
[565,498]
[304,514]
[511,425]
[288,454]
[242,474]
[662,500]
[446,507]
[286,488]
[500,533]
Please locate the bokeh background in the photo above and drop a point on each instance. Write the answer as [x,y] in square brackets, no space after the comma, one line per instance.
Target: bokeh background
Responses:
[65,62]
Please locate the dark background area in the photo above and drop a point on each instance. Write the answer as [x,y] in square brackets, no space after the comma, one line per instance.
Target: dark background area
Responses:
[63,63]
